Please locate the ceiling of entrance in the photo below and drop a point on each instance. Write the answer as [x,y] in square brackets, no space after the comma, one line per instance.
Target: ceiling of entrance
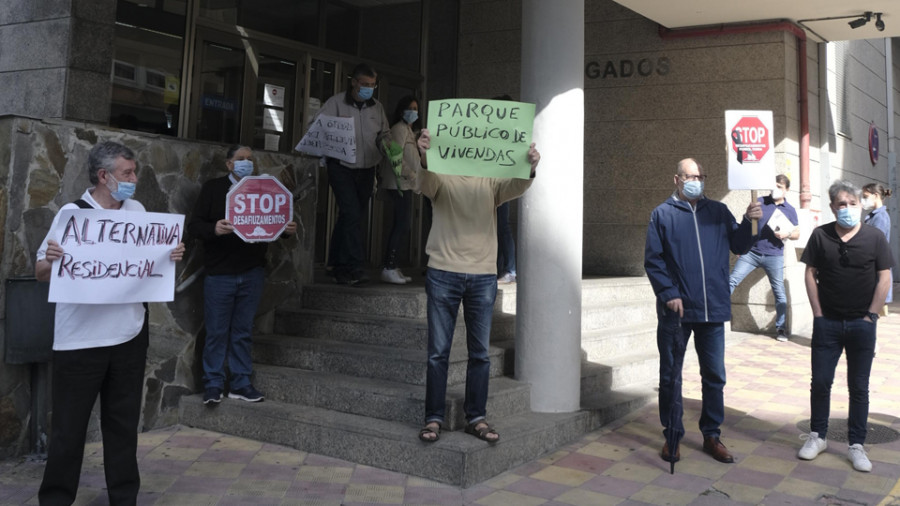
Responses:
[807,13]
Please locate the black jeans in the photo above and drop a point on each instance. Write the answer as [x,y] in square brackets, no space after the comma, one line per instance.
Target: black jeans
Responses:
[399,227]
[117,374]
[352,189]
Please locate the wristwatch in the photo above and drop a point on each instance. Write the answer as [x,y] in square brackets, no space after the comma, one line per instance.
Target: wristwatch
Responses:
[873,317]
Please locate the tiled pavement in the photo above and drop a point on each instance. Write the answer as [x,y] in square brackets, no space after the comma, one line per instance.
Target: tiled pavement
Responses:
[766,396]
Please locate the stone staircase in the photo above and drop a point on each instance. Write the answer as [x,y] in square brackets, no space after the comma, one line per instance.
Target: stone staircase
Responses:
[345,373]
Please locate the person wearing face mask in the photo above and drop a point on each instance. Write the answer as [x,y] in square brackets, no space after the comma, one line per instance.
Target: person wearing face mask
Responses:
[97,349]
[847,279]
[768,251]
[398,188]
[235,274]
[877,216]
[352,183]
[686,257]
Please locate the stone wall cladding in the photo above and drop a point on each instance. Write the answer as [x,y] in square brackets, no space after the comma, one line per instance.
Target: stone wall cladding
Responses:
[43,166]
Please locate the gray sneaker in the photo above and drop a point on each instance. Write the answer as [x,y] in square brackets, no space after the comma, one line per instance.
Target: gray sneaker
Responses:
[813,446]
[781,335]
[857,454]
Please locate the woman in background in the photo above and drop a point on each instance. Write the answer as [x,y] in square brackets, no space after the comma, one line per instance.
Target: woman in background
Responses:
[399,187]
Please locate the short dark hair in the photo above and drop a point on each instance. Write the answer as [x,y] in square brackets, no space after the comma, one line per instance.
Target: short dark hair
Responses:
[234,148]
[402,105]
[781,178]
[104,156]
[363,69]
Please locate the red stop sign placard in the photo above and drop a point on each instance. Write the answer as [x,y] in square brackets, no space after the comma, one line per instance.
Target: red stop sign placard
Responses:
[750,140]
[259,207]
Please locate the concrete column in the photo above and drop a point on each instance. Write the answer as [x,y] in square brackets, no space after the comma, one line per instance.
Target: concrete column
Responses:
[548,309]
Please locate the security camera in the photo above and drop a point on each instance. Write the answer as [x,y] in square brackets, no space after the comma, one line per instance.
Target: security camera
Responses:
[879,24]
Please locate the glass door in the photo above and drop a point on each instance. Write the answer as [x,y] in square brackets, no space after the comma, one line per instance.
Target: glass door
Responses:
[218,92]
[273,119]
[322,85]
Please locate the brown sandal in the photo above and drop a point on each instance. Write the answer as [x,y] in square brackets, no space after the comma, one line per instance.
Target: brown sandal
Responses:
[483,432]
[426,432]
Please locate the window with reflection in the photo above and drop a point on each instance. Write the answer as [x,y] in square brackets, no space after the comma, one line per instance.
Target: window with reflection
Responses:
[292,19]
[146,70]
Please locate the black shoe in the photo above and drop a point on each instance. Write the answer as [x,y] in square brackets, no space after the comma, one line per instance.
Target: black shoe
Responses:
[781,335]
[359,277]
[248,393]
[343,278]
[212,396]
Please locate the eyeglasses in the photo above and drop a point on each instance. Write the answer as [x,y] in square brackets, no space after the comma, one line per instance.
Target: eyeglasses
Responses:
[695,177]
[844,260]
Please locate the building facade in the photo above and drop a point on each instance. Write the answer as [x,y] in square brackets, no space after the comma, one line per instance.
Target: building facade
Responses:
[177,80]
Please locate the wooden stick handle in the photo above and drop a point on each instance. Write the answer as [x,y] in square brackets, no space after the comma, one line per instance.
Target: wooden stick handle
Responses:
[754,223]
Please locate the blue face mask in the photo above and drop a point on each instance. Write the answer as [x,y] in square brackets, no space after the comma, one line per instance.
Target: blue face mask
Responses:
[692,189]
[366,93]
[243,168]
[123,191]
[848,217]
[410,116]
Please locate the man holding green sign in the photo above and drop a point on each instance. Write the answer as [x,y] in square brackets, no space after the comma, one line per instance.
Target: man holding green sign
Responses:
[462,244]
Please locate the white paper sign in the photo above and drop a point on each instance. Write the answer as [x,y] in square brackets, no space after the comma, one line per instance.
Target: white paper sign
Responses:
[115,257]
[272,141]
[273,119]
[330,136]
[750,150]
[274,95]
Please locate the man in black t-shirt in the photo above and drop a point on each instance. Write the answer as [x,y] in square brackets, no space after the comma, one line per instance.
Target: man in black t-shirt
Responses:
[847,279]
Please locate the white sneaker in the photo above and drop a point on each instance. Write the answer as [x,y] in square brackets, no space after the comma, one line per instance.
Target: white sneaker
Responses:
[813,447]
[507,278]
[393,276]
[857,454]
[404,276]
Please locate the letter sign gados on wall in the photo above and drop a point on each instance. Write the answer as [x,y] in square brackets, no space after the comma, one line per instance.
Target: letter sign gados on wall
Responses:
[259,207]
[751,157]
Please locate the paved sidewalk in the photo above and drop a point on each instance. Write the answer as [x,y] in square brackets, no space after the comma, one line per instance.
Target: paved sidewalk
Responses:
[767,396]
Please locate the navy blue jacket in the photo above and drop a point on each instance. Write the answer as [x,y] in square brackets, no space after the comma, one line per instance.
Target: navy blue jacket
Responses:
[686,256]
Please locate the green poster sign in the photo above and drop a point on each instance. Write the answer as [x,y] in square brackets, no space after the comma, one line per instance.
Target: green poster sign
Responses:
[484,138]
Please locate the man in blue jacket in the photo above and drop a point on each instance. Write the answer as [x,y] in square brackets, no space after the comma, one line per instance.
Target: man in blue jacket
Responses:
[686,258]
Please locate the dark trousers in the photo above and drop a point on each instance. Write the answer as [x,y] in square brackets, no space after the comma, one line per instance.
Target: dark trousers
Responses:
[399,227]
[830,339]
[352,189]
[117,374]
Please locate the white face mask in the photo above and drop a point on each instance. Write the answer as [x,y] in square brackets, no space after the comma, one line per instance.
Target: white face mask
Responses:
[868,203]
[777,194]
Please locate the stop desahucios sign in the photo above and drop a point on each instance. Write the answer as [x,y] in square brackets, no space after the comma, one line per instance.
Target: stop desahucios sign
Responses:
[750,140]
[259,207]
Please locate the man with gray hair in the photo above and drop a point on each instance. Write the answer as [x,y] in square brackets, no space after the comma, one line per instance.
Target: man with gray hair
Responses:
[847,279]
[97,349]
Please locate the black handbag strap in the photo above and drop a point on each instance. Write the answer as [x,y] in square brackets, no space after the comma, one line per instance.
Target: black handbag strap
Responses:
[83,204]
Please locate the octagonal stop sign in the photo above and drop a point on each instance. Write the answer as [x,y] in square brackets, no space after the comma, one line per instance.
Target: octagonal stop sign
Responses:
[259,207]
[750,140]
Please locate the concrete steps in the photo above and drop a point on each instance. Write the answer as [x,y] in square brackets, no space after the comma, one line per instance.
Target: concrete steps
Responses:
[361,360]
[344,376]
[457,459]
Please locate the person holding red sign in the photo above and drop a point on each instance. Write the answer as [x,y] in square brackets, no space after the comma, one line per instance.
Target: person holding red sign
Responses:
[235,274]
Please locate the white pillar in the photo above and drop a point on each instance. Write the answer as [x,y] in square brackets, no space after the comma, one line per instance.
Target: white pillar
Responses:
[548,309]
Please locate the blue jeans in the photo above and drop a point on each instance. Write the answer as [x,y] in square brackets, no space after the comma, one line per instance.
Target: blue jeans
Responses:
[709,341]
[506,245]
[774,267]
[477,293]
[829,339]
[352,189]
[229,305]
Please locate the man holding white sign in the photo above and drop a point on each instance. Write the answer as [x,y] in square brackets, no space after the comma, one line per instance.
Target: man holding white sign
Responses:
[353,182]
[97,349]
